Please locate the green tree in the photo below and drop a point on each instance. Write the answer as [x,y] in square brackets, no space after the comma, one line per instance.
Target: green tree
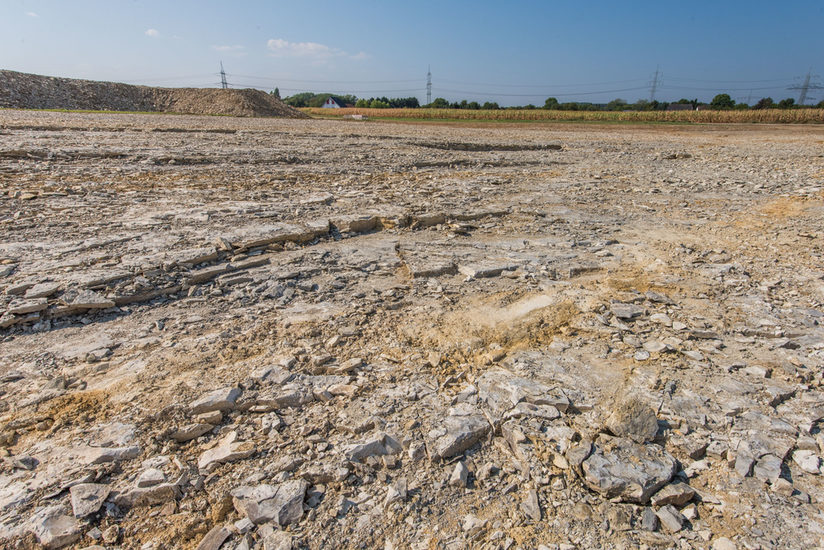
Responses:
[788,103]
[617,105]
[551,103]
[439,103]
[764,103]
[819,105]
[490,106]
[275,93]
[722,101]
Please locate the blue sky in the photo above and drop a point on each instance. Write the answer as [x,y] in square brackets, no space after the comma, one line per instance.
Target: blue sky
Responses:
[514,52]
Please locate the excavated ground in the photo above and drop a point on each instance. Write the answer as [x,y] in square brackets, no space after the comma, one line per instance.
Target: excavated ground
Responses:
[254,333]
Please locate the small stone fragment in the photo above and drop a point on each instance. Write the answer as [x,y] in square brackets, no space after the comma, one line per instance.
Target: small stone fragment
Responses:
[459,476]
[531,506]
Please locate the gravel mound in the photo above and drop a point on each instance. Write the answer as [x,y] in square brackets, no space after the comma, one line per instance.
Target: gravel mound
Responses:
[29,91]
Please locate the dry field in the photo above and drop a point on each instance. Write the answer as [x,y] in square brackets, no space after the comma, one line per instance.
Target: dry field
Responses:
[260,333]
[765,116]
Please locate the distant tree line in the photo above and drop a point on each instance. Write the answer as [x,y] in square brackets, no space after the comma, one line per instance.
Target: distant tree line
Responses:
[720,101]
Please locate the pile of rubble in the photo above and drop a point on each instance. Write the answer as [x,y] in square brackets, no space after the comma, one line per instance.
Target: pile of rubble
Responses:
[30,91]
[227,333]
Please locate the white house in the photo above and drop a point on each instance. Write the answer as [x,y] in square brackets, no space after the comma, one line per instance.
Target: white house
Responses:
[333,103]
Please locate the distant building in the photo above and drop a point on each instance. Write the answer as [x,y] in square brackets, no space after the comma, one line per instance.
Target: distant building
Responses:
[334,103]
[679,107]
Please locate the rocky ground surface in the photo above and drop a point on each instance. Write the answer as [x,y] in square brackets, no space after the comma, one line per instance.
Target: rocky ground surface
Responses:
[247,333]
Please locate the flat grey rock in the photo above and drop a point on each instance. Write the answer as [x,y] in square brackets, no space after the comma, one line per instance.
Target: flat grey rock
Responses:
[677,494]
[619,467]
[87,498]
[456,434]
[54,529]
[222,399]
[671,519]
[89,299]
[626,312]
[282,504]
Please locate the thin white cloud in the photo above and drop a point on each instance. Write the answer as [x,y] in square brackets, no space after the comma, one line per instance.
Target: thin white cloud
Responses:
[228,48]
[154,33]
[32,14]
[314,51]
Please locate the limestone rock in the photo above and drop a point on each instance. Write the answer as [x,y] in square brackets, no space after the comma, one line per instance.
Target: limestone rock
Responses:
[216,536]
[619,467]
[227,450]
[457,433]
[54,529]
[282,503]
[89,299]
[222,399]
[676,494]
[633,419]
[87,498]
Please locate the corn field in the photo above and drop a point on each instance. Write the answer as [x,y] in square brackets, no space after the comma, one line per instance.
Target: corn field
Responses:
[768,116]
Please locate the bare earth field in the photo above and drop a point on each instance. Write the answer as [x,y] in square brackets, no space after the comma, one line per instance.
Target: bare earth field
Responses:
[260,333]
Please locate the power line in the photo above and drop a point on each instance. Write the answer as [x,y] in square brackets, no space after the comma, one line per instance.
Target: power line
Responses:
[542,86]
[730,81]
[273,79]
[547,93]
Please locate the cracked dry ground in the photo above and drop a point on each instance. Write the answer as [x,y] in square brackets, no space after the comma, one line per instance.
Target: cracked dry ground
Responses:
[248,333]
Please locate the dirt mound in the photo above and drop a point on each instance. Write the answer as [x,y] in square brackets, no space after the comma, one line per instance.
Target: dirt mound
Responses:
[29,91]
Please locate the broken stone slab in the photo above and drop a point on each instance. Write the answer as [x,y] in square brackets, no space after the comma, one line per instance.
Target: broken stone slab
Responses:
[457,433]
[21,307]
[89,299]
[382,445]
[634,419]
[205,274]
[150,478]
[482,271]
[194,256]
[429,266]
[262,235]
[53,528]
[545,412]
[627,312]
[671,519]
[216,536]
[101,455]
[228,450]
[767,468]
[282,503]
[619,467]
[87,498]
[355,223]
[191,431]
[501,391]
[807,461]
[428,219]
[677,494]
[148,496]
[222,399]
[42,290]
